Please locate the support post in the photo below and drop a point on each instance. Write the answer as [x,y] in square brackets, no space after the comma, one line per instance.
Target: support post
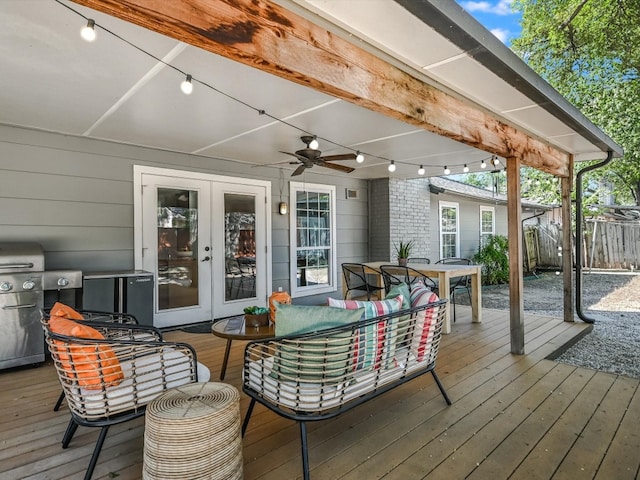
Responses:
[516,285]
[567,244]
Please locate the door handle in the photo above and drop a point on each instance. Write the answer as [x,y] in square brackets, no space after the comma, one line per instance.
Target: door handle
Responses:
[206,259]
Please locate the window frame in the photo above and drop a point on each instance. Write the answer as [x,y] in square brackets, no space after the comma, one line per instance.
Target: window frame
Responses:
[331,286]
[446,205]
[487,208]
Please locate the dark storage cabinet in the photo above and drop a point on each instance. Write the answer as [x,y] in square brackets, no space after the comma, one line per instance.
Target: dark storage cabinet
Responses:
[129,291]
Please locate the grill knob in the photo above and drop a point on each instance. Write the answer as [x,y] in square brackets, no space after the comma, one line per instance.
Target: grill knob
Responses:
[5,286]
[29,285]
[63,282]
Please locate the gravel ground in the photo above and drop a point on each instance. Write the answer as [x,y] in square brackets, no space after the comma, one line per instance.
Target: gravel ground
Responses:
[612,299]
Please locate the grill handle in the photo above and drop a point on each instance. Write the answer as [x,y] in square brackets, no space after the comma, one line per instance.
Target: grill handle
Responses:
[16,265]
[17,307]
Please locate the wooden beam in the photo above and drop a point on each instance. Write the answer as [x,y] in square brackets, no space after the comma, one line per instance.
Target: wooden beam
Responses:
[566,186]
[266,36]
[516,282]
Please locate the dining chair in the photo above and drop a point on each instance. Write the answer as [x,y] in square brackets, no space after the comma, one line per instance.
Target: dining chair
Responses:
[397,274]
[418,260]
[463,282]
[355,279]
[110,372]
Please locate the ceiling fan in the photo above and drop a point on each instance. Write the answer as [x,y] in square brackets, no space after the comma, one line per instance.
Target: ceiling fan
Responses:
[308,157]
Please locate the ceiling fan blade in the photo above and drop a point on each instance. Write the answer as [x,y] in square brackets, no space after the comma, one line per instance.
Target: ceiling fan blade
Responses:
[343,156]
[298,170]
[299,157]
[336,166]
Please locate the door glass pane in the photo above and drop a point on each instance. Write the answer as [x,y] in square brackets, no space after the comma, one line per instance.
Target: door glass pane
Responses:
[177,252]
[240,246]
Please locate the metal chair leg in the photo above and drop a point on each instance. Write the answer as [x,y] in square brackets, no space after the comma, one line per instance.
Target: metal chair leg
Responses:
[96,452]
[441,387]
[245,423]
[305,452]
[59,402]
[68,434]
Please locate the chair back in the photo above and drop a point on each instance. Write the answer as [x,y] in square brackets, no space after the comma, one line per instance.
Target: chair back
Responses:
[418,260]
[354,275]
[463,281]
[396,274]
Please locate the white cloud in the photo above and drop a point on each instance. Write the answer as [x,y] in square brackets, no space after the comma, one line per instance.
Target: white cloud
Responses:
[501,7]
[501,33]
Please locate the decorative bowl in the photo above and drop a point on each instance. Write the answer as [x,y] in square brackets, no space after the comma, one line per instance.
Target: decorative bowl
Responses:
[259,320]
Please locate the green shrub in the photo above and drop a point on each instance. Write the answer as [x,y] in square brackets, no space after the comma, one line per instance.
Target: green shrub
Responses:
[494,258]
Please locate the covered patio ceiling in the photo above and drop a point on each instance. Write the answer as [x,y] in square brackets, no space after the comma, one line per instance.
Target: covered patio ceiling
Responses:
[125,86]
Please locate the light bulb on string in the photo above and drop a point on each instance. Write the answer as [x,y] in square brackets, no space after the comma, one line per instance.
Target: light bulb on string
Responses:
[392,166]
[186,86]
[421,170]
[465,169]
[446,170]
[88,32]
[483,164]
[359,157]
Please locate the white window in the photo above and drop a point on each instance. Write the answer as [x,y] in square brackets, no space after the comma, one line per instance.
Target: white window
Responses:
[449,230]
[313,239]
[487,224]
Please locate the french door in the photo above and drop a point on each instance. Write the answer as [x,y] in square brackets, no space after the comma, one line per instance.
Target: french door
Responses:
[205,240]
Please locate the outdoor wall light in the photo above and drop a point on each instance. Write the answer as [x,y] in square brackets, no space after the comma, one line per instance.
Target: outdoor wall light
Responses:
[283,208]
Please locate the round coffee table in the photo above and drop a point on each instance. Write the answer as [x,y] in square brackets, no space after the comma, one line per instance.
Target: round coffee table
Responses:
[234,328]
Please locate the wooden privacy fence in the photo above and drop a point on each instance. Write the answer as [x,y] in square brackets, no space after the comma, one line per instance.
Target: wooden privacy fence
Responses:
[607,245]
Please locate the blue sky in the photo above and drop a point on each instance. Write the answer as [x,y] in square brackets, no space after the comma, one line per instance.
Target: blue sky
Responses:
[496,15]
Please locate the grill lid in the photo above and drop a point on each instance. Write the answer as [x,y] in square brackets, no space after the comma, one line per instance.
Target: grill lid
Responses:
[21,257]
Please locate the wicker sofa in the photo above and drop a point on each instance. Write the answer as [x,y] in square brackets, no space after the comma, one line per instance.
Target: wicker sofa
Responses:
[318,375]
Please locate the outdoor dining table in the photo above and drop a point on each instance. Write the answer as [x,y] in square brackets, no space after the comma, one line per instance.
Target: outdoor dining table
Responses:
[444,273]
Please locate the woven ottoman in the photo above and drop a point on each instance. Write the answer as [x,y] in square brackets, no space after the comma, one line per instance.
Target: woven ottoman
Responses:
[193,432]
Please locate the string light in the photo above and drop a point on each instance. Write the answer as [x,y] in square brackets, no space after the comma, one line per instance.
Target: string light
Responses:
[186,86]
[88,32]
[495,161]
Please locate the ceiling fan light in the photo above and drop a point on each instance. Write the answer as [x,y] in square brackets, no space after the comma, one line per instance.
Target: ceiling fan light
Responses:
[313,144]
[359,157]
[421,170]
[186,86]
[392,166]
[88,32]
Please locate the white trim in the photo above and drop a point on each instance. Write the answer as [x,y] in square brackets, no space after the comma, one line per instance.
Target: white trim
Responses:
[297,291]
[444,204]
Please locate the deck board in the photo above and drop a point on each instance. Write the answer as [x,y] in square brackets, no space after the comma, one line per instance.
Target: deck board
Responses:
[513,416]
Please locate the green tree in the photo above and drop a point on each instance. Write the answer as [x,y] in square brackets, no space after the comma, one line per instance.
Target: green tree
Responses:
[589,50]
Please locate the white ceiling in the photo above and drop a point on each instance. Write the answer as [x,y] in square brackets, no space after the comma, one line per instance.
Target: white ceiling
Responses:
[53,80]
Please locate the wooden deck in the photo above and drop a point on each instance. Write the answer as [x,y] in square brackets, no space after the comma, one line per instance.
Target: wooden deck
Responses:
[517,417]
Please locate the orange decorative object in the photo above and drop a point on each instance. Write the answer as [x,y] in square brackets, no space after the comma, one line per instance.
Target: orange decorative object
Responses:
[65,311]
[280,297]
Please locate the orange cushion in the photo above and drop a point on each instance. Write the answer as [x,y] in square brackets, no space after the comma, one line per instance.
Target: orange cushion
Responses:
[94,367]
[64,311]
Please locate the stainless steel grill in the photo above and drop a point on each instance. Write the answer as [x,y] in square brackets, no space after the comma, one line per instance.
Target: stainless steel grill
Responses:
[22,285]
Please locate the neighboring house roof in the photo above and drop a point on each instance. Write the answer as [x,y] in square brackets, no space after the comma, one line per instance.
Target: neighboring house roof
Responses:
[465,190]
